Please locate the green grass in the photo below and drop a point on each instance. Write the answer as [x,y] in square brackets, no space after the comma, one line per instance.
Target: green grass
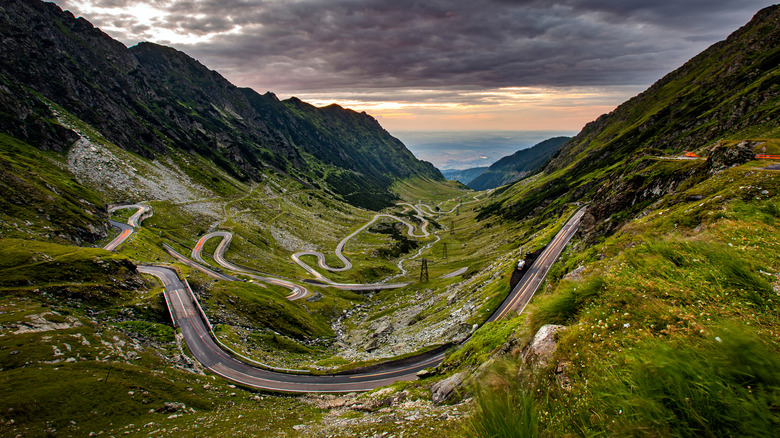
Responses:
[41,200]
[158,332]
[567,302]
[433,192]
[672,331]
[92,377]
[502,407]
[265,308]
[727,385]
[92,276]
[484,343]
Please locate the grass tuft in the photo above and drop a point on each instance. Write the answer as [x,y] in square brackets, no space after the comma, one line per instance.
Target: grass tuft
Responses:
[503,408]
[567,303]
[724,386]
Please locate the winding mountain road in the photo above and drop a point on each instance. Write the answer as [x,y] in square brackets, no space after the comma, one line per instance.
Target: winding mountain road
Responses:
[411,231]
[195,328]
[132,222]
[187,314]
[297,291]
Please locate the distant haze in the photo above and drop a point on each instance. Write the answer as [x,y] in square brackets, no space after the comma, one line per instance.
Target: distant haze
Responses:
[467,149]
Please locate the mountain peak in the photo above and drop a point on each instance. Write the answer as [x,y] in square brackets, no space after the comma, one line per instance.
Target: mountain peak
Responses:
[152,100]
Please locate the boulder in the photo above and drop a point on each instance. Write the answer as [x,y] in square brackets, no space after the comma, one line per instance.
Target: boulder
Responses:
[314,297]
[445,389]
[575,274]
[171,407]
[424,373]
[540,351]
[725,156]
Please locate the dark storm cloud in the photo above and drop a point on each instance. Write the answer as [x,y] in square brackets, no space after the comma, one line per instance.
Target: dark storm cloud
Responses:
[317,44]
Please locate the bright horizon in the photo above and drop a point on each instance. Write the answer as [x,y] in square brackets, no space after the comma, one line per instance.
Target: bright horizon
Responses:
[461,149]
[507,110]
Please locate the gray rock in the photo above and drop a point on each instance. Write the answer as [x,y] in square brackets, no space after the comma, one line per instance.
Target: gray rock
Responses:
[171,407]
[575,274]
[445,389]
[725,156]
[540,351]
[385,328]
[424,373]
[314,298]
[561,377]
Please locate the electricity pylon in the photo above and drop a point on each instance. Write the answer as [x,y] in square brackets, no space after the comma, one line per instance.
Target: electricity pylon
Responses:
[424,271]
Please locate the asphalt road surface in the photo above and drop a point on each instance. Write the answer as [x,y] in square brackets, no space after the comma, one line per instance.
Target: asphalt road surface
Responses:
[188,315]
[297,291]
[126,229]
[186,312]
[198,266]
[348,264]
[526,288]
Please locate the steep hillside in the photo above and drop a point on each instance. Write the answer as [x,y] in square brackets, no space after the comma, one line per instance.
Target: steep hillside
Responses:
[518,165]
[728,92]
[363,157]
[151,99]
[660,318]
[42,201]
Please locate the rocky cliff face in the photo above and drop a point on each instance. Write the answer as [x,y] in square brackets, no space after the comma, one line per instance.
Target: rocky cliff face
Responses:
[149,99]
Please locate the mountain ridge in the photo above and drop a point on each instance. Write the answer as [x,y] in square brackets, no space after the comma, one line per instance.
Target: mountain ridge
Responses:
[463,176]
[149,99]
[729,91]
[518,165]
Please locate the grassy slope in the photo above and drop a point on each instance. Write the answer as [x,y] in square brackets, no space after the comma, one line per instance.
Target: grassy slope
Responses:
[673,329]
[677,327]
[41,200]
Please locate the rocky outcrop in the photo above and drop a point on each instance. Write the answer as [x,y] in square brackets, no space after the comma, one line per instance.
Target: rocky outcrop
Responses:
[350,414]
[446,389]
[724,156]
[40,323]
[540,351]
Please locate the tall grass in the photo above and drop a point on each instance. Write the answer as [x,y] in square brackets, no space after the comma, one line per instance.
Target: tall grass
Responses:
[566,303]
[503,407]
[725,386]
[727,268]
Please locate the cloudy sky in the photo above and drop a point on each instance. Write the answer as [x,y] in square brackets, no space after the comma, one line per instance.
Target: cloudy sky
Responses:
[433,64]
